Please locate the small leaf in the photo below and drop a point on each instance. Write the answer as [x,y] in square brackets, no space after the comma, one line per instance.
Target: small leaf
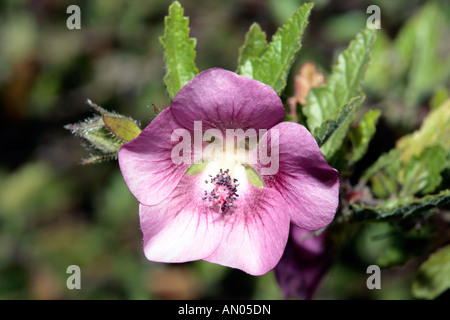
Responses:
[124,128]
[179,50]
[397,209]
[273,65]
[434,275]
[254,46]
[196,168]
[361,136]
[253,177]
[326,130]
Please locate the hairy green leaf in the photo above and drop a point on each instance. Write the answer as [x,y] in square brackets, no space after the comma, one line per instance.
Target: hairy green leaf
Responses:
[106,133]
[334,143]
[435,130]
[272,66]
[326,130]
[179,50]
[97,134]
[254,46]
[342,85]
[422,173]
[362,134]
[416,164]
[344,82]
[397,209]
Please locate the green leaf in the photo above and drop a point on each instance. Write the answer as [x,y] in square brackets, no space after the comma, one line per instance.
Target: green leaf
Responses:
[254,46]
[434,275]
[253,177]
[420,46]
[439,97]
[326,130]
[334,143]
[343,84]
[435,129]
[124,128]
[196,168]
[179,50]
[397,209]
[384,183]
[381,75]
[422,173]
[416,163]
[362,134]
[106,133]
[97,134]
[273,65]
[384,161]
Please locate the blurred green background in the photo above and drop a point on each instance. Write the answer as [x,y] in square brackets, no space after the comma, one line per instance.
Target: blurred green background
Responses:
[55,212]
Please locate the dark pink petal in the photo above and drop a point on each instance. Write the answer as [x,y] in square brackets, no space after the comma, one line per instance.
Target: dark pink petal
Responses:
[224,100]
[146,162]
[182,227]
[304,179]
[305,262]
[255,232]
[312,245]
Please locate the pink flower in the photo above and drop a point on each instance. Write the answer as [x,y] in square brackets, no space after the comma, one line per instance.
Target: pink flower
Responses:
[219,214]
[304,263]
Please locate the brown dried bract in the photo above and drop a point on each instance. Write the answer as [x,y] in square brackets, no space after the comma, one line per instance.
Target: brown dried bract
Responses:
[308,77]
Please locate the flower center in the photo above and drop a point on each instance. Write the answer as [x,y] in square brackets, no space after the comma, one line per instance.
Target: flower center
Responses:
[224,190]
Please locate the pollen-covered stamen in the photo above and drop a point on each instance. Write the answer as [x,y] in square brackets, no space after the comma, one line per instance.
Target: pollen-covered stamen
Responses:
[224,192]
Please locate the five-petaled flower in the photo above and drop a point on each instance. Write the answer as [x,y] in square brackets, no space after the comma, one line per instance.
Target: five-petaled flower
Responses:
[220,214]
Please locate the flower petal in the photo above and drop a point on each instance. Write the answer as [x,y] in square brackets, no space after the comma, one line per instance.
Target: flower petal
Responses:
[146,162]
[224,100]
[182,227]
[255,231]
[304,179]
[301,269]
